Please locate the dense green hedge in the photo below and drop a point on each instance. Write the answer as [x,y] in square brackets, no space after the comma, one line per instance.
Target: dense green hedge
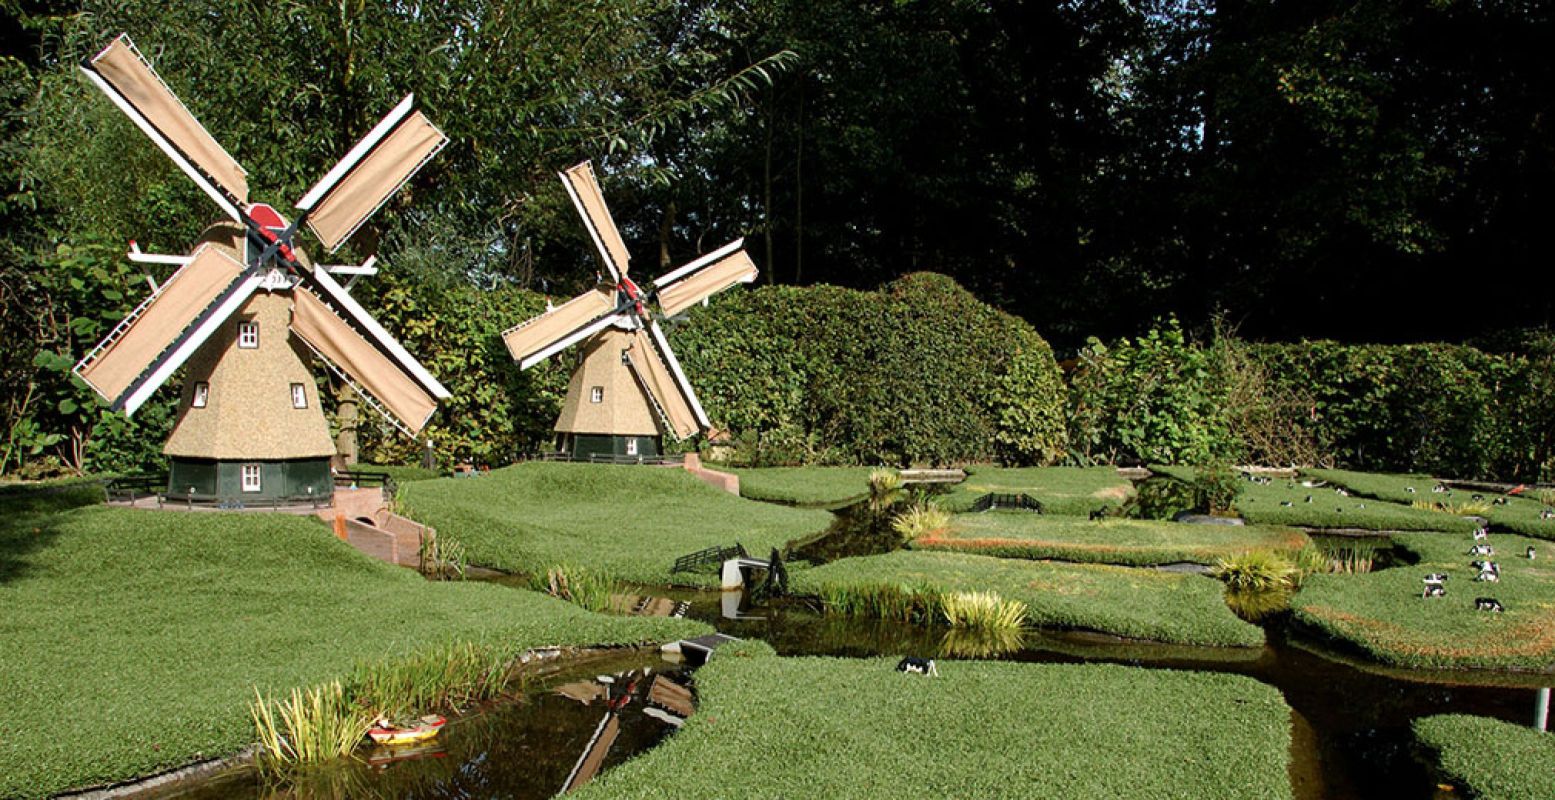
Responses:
[918,372]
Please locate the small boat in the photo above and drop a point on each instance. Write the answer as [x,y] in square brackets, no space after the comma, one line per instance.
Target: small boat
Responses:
[385,732]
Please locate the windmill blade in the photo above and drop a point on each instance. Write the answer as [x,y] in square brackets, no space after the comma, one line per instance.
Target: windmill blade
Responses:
[665,383]
[158,336]
[391,388]
[385,341]
[590,202]
[354,189]
[704,277]
[123,74]
[537,339]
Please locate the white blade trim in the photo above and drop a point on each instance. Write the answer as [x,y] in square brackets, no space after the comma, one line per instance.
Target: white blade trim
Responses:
[680,376]
[338,294]
[191,343]
[356,154]
[577,336]
[164,145]
[364,268]
[675,275]
[599,244]
[141,257]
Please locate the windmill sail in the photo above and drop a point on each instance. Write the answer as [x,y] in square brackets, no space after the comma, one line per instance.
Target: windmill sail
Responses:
[590,201]
[370,173]
[705,277]
[557,325]
[347,351]
[672,396]
[353,311]
[128,79]
[186,307]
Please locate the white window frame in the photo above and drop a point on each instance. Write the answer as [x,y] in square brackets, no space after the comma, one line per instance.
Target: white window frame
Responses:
[299,396]
[596,394]
[631,445]
[248,334]
[202,395]
[252,476]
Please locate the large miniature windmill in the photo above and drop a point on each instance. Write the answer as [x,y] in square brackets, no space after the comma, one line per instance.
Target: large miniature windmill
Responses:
[628,389]
[246,306]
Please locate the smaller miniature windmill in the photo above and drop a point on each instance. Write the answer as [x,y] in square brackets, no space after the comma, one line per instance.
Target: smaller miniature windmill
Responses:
[247,306]
[628,389]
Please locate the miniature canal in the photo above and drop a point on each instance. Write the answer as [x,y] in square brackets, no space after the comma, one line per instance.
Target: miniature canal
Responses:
[1350,727]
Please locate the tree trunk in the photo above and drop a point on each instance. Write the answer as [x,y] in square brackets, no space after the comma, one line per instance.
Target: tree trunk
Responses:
[347,416]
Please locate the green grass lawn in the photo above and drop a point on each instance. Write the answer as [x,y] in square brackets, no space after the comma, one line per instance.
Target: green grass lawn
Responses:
[1265,505]
[134,639]
[1110,541]
[1495,760]
[847,728]
[1136,603]
[1383,615]
[627,521]
[807,486]
[1520,514]
[1071,491]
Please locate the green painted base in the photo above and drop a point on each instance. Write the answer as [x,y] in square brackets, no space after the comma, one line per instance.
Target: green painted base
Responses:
[584,446]
[250,482]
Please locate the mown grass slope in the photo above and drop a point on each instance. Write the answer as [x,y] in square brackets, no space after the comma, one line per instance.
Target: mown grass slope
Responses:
[1521,513]
[631,522]
[809,486]
[134,639]
[1288,502]
[1071,491]
[1109,541]
[1495,760]
[844,728]
[1383,615]
[1136,603]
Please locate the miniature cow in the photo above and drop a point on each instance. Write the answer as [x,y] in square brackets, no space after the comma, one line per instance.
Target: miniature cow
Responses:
[917,666]
[1439,489]
[1409,489]
[1480,534]
[1488,604]
[1482,550]
[1339,490]
[1437,577]
[1529,553]
[1491,575]
[1477,497]
[1433,590]
[1286,503]
[1548,513]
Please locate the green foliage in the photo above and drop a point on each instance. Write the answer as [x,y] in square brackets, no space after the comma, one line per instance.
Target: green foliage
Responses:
[909,374]
[921,519]
[1492,758]
[1079,731]
[235,601]
[1157,398]
[308,726]
[1158,606]
[625,521]
[444,677]
[581,586]
[1065,491]
[1256,570]
[1382,614]
[1215,487]
[1109,541]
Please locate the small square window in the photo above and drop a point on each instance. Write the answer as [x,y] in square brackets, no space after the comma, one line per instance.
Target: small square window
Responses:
[597,394]
[250,477]
[299,396]
[202,394]
[248,334]
[631,447]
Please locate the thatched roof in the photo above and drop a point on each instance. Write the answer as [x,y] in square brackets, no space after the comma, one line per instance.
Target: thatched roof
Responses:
[625,410]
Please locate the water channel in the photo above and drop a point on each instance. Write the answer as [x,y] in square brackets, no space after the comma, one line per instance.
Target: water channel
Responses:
[1350,730]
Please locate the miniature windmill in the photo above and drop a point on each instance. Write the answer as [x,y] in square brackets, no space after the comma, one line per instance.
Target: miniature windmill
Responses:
[245,307]
[628,389]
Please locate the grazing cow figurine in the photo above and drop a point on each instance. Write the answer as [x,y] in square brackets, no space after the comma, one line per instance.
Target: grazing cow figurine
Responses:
[1488,604]
[1309,499]
[1489,571]
[1339,490]
[918,666]
[1439,488]
[1477,497]
[1529,553]
[1499,501]
[1433,590]
[1286,503]
[1409,489]
[1480,534]
[1436,577]
[1548,513]
[1482,550]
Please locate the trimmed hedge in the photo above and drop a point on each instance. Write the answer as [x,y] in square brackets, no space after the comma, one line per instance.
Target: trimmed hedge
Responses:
[917,372]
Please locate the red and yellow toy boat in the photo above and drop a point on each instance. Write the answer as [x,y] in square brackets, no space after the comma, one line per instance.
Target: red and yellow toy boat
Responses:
[385,732]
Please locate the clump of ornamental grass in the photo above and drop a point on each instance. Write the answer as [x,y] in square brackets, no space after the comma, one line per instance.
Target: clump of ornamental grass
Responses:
[588,588]
[1255,570]
[893,602]
[919,519]
[1546,496]
[1465,508]
[308,726]
[450,676]
[982,610]
[1310,560]
[885,488]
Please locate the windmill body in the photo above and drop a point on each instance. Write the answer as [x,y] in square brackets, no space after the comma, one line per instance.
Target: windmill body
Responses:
[246,312]
[628,390]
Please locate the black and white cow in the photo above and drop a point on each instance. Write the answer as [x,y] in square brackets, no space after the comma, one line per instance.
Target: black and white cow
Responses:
[1488,604]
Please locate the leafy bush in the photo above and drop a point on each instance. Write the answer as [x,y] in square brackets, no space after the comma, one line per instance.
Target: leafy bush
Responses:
[1215,487]
[918,372]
